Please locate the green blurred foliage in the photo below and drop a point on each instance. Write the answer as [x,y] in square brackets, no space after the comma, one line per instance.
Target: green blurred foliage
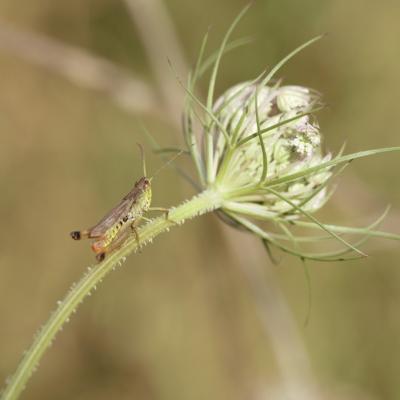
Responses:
[178,321]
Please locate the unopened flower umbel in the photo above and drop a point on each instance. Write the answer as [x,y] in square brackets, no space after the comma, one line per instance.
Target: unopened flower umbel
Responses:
[263,156]
[244,166]
[259,157]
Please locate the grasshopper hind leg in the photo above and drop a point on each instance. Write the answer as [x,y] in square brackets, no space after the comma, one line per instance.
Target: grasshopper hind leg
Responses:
[85,234]
[103,251]
[101,256]
[78,235]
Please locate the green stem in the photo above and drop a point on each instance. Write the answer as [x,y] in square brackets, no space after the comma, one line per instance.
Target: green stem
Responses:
[204,202]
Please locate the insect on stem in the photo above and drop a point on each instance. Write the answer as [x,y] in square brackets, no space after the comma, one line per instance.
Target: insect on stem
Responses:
[116,226]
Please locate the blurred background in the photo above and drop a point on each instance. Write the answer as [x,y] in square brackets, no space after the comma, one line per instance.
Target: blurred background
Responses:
[201,313]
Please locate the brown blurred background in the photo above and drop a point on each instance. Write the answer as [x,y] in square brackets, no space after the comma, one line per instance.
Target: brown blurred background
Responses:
[201,313]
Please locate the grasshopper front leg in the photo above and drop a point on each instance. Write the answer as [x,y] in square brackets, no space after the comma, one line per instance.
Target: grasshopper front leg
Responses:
[162,209]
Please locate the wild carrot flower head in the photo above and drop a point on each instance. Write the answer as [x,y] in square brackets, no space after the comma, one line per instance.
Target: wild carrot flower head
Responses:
[265,133]
[260,149]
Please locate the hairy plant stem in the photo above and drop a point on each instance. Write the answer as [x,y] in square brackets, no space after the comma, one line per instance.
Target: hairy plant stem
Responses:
[204,202]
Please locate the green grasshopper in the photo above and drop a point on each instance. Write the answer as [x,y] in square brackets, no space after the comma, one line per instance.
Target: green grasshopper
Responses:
[112,230]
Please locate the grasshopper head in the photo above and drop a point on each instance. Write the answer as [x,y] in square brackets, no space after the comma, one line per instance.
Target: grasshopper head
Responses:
[143,196]
[143,183]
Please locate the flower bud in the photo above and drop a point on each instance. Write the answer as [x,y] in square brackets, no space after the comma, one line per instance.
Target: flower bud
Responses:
[244,168]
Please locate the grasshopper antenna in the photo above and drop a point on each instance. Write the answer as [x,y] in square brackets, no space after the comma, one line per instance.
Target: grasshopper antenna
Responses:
[143,159]
[167,163]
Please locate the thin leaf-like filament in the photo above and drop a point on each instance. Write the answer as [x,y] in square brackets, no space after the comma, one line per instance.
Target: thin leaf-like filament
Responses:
[315,220]
[264,153]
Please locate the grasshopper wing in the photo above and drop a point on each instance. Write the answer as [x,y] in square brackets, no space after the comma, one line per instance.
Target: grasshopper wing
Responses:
[114,216]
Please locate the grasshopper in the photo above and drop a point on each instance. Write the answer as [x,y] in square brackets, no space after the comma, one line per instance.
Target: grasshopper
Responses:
[112,230]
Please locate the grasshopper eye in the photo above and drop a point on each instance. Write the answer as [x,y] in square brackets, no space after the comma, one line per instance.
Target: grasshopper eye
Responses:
[146,182]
